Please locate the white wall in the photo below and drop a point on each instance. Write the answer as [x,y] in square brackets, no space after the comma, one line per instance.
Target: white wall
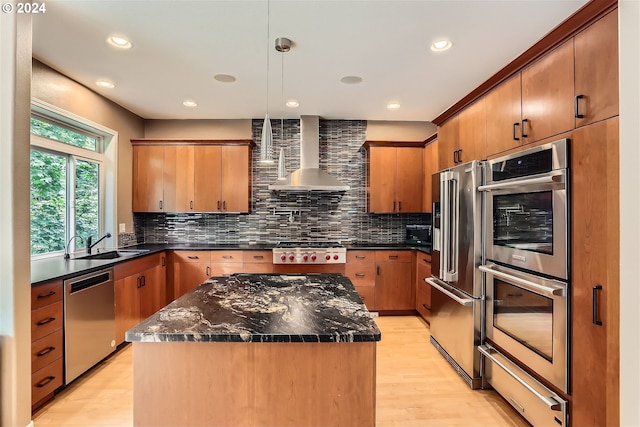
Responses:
[15,288]
[399,131]
[629,19]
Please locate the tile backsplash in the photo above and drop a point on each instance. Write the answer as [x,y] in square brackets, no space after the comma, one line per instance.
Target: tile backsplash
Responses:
[280,216]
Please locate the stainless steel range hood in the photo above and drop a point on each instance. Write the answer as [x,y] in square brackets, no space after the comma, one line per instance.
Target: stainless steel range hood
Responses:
[309,177]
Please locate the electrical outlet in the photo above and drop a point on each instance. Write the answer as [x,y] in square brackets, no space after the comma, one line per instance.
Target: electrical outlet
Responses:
[121,228]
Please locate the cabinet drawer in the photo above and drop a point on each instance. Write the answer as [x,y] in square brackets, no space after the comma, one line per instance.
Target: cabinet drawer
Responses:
[423,258]
[192,256]
[46,320]
[257,257]
[360,257]
[423,300]
[393,256]
[368,295]
[257,267]
[423,271]
[361,274]
[46,380]
[46,294]
[225,269]
[135,266]
[46,350]
[226,257]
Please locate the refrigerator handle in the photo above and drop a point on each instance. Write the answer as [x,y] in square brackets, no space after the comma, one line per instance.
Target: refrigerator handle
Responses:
[450,198]
[467,302]
[444,226]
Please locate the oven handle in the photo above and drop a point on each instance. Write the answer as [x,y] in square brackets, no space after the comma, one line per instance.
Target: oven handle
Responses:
[467,302]
[553,179]
[546,290]
[553,404]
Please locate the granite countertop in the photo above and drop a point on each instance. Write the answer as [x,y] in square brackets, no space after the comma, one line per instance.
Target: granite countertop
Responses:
[46,269]
[263,308]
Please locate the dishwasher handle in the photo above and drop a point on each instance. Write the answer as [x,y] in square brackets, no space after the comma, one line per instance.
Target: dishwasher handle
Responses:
[88,281]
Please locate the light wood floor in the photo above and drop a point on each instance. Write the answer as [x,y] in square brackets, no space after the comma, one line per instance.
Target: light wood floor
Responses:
[415,387]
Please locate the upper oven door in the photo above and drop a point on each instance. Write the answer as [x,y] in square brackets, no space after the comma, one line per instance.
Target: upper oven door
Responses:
[526,316]
[527,223]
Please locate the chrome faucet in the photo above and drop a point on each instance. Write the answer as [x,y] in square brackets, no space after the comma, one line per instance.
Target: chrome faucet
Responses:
[66,251]
[90,245]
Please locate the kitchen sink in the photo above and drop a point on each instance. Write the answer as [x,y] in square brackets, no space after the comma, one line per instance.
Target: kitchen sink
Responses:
[115,254]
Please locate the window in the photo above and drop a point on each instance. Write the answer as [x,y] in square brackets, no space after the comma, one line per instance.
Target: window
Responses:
[67,190]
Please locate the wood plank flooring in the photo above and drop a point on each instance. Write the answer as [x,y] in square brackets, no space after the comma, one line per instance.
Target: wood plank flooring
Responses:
[415,387]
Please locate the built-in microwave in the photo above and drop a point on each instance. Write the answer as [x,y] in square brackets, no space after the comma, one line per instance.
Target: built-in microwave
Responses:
[527,210]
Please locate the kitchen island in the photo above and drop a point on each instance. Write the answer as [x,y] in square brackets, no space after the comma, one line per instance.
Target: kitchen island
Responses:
[258,350]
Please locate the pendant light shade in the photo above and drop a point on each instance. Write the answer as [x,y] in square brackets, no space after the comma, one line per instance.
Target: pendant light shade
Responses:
[266,142]
[282,171]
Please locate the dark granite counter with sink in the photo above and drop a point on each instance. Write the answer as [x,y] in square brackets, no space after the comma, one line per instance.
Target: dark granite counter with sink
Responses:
[263,308]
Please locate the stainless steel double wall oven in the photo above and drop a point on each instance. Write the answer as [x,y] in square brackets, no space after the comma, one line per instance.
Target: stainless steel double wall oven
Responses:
[526,280]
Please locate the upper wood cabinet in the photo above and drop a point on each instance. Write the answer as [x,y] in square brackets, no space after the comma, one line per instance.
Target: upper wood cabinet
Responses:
[430,165]
[395,176]
[191,176]
[547,95]
[504,107]
[596,75]
[448,142]
[463,138]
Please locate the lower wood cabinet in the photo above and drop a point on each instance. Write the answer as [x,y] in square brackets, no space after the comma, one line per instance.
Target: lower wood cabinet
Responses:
[361,270]
[423,289]
[140,291]
[191,268]
[47,351]
[257,262]
[394,280]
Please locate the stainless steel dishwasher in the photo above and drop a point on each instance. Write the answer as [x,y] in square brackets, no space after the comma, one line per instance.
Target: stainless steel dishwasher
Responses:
[90,321]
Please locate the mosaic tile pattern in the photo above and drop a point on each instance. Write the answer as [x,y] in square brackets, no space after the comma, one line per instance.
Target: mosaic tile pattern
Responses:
[279,216]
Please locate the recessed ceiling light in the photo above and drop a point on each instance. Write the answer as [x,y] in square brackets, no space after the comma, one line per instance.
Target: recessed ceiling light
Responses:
[393,105]
[189,103]
[105,83]
[351,80]
[119,41]
[441,45]
[225,78]
[292,103]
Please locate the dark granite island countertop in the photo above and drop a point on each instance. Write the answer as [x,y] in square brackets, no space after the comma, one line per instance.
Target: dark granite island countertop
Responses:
[263,308]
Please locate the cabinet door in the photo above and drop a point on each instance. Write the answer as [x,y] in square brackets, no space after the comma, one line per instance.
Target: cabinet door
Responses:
[409,172]
[394,290]
[472,138]
[188,275]
[430,162]
[448,142]
[547,94]
[503,106]
[382,179]
[596,56]
[127,305]
[207,177]
[148,168]
[595,251]
[236,178]
[178,178]
[153,295]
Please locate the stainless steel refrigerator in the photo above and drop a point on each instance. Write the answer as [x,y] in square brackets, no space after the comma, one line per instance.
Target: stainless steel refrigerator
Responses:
[457,307]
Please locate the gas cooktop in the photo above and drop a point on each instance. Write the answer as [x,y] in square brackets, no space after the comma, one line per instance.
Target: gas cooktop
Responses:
[306,245]
[309,253]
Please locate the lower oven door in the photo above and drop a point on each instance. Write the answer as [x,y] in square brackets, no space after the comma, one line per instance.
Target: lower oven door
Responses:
[526,316]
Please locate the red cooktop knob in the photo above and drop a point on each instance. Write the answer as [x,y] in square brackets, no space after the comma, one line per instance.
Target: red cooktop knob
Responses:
[283,257]
[305,257]
[313,257]
[328,257]
[335,257]
[291,257]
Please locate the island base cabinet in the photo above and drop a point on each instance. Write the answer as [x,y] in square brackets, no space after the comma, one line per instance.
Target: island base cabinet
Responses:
[254,384]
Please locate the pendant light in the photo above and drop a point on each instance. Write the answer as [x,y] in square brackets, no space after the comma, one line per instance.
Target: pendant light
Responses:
[283,45]
[266,140]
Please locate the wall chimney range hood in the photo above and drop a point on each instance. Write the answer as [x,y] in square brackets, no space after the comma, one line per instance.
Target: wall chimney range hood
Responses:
[309,177]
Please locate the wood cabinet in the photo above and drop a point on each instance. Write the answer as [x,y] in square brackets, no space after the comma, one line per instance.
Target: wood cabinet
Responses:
[257,262]
[504,109]
[394,281]
[464,137]
[448,142]
[140,291]
[596,71]
[361,270]
[430,165]
[46,341]
[423,289]
[191,268]
[394,176]
[595,275]
[191,176]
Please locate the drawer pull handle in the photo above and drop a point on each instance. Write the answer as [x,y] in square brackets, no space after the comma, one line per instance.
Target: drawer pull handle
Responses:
[393,256]
[378,270]
[191,205]
[523,133]
[425,260]
[515,137]
[208,271]
[47,295]
[45,351]
[595,305]
[193,257]
[258,257]
[360,274]
[227,257]
[577,107]
[360,256]
[45,381]
[44,322]
[164,261]
[425,306]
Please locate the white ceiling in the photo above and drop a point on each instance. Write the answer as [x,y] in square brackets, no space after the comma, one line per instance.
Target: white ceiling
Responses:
[178,46]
